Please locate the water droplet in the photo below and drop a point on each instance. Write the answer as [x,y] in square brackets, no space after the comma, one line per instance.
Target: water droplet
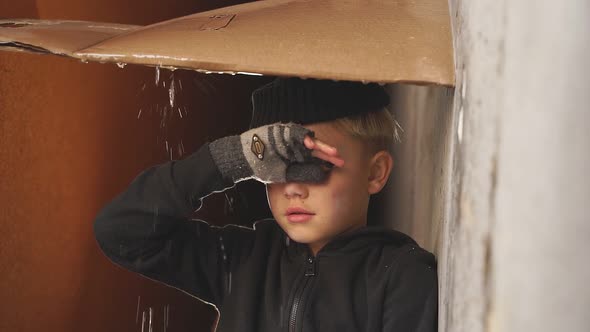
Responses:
[150,324]
[165,317]
[171,93]
[121,64]
[179,150]
[143,321]
[157,75]
[167,314]
[230,204]
[137,312]
[164,117]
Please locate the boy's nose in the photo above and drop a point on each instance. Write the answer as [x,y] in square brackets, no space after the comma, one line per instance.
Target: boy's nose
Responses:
[296,189]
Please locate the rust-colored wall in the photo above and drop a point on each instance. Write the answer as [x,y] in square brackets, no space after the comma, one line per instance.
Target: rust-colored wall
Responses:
[71,139]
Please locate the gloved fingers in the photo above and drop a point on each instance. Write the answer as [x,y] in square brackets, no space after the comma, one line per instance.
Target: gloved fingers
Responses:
[312,172]
[297,132]
[292,136]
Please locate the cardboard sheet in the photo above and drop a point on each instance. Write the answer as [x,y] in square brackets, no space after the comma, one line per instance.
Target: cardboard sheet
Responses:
[363,40]
[57,37]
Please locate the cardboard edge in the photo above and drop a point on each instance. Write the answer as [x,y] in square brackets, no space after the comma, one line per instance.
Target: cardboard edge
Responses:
[27,48]
[14,45]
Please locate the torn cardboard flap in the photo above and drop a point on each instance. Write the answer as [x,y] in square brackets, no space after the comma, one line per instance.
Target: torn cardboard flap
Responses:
[373,41]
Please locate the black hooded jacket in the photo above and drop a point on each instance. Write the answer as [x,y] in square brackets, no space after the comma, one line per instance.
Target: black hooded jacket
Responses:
[370,280]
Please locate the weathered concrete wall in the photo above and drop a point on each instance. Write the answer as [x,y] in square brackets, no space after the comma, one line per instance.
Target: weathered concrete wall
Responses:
[515,251]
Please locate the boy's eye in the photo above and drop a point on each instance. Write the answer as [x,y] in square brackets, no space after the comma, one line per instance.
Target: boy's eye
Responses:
[326,166]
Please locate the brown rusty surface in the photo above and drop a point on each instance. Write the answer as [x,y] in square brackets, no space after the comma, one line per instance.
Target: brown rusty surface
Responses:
[70,139]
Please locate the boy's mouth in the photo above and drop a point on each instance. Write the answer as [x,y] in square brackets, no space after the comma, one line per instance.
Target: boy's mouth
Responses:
[298,215]
[297,210]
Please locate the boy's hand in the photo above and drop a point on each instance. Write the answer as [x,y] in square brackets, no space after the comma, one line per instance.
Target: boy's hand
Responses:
[272,154]
[323,151]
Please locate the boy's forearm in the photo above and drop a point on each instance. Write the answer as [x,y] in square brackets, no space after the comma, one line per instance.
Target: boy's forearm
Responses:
[153,205]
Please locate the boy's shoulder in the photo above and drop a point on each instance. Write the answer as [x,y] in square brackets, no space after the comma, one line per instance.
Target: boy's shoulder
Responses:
[402,256]
[395,245]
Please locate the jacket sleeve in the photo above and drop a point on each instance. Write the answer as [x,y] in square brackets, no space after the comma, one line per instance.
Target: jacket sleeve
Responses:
[146,228]
[411,302]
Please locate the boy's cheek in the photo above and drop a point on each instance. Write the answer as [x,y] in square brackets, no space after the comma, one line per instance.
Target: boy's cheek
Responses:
[345,195]
[273,201]
[338,195]
[338,204]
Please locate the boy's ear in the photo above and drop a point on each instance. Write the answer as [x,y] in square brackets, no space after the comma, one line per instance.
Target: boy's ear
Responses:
[379,169]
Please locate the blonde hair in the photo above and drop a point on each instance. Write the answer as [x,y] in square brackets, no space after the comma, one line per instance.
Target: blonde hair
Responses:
[377,130]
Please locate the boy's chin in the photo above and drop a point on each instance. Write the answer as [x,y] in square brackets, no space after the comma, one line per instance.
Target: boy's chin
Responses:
[304,236]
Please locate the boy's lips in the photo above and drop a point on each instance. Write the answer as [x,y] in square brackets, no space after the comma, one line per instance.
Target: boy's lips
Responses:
[297,210]
[298,215]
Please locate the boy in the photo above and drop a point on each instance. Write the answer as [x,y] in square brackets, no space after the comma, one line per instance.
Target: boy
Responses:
[321,148]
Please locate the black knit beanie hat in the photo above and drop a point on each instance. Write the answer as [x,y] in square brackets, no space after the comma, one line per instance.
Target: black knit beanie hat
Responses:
[307,101]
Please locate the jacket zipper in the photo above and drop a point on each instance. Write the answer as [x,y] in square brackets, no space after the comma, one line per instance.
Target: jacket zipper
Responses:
[309,272]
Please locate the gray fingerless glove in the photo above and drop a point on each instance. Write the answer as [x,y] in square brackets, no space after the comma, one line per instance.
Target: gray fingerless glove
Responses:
[273,153]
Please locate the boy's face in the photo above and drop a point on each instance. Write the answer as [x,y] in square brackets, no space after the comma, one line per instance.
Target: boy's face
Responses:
[339,204]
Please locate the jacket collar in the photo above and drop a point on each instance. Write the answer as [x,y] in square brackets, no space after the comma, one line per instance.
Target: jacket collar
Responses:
[353,241]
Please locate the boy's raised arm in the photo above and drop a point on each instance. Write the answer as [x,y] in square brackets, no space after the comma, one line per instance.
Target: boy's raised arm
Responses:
[146,228]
